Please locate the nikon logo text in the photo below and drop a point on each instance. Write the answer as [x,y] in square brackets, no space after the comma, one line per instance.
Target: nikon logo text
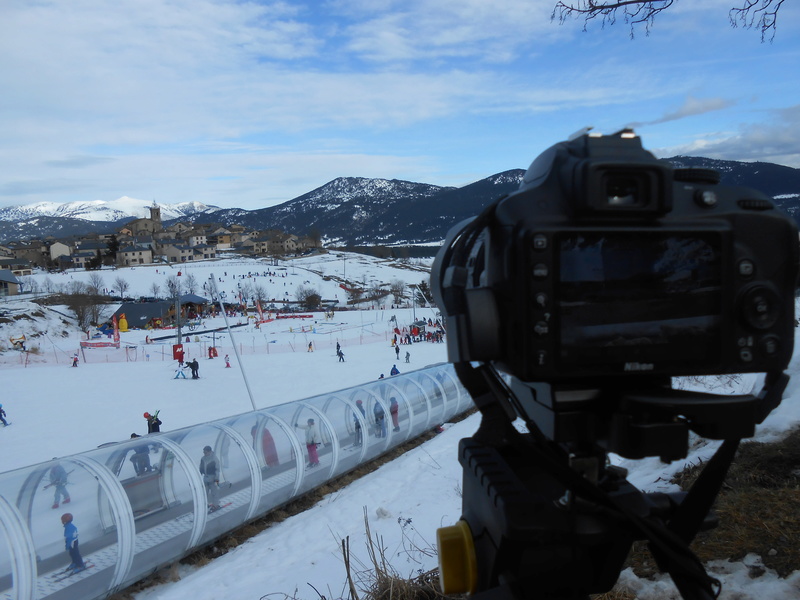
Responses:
[635,366]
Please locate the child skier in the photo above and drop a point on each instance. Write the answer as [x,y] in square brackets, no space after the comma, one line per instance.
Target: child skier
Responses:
[71,542]
[179,372]
[312,439]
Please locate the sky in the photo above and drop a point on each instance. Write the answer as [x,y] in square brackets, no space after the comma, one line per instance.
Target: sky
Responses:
[405,500]
[249,104]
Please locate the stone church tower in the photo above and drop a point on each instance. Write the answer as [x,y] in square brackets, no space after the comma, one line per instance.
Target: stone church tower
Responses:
[146,226]
[155,214]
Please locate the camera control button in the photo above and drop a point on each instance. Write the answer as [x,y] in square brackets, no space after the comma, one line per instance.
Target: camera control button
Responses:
[542,358]
[540,271]
[706,198]
[540,242]
[770,345]
[747,268]
[541,328]
[541,300]
[746,355]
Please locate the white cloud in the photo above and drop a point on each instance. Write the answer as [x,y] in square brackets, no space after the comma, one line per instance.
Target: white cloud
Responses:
[435,30]
[775,140]
[691,107]
[111,98]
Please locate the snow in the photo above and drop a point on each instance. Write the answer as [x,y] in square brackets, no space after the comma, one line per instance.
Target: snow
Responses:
[102,210]
[59,410]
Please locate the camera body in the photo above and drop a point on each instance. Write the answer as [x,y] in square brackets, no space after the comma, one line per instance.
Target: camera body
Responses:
[609,263]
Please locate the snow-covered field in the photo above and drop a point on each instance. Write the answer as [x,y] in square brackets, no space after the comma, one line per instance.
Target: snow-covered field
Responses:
[58,410]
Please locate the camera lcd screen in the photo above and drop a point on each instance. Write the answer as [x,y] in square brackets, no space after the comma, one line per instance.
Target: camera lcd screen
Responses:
[640,300]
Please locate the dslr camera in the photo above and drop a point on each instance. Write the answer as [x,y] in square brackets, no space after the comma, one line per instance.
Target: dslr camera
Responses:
[572,304]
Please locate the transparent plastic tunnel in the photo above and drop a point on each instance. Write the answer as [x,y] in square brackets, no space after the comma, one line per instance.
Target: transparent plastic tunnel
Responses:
[143,503]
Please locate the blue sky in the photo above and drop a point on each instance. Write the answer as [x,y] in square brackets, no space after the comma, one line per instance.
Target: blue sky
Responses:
[250,104]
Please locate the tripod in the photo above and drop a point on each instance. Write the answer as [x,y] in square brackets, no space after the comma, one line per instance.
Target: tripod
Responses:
[545,515]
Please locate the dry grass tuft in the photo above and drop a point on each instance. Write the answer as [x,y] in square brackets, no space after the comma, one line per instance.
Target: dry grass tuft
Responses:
[615,594]
[382,582]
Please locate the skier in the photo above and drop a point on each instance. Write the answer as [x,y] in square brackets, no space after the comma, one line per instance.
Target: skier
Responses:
[58,478]
[141,457]
[3,416]
[340,354]
[394,370]
[153,422]
[312,439]
[179,372]
[380,420]
[359,433]
[397,352]
[408,357]
[227,362]
[393,410]
[74,360]
[194,366]
[71,543]
[209,469]
[267,446]
[310,346]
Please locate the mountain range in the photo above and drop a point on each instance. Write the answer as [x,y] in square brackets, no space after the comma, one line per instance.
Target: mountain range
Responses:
[355,211]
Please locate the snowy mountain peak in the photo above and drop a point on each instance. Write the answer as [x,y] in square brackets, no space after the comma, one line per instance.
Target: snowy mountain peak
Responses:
[102,210]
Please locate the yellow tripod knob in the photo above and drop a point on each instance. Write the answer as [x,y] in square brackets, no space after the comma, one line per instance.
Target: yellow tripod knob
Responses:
[458,569]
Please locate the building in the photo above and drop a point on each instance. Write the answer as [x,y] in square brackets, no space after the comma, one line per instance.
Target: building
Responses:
[136,254]
[9,284]
[59,249]
[149,226]
[19,267]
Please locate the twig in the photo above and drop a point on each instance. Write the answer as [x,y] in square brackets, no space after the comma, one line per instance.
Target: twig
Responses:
[346,555]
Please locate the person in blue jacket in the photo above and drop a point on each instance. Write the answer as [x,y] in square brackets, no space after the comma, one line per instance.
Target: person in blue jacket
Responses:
[58,479]
[3,416]
[71,543]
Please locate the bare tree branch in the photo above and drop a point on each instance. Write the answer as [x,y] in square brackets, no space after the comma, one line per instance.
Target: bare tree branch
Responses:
[753,14]
[634,12]
[759,14]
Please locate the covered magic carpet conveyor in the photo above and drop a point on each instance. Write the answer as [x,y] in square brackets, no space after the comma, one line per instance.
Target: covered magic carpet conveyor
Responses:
[131,525]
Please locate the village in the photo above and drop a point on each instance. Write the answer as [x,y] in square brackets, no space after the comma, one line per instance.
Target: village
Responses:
[143,241]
